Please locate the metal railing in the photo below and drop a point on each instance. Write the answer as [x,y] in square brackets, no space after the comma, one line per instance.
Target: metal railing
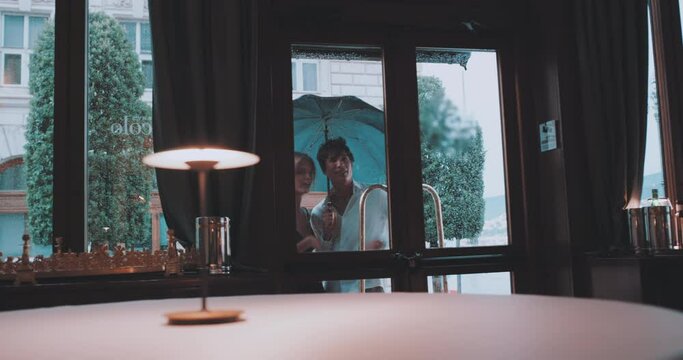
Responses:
[438,215]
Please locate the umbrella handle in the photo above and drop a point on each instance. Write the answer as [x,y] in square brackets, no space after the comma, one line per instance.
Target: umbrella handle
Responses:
[333,222]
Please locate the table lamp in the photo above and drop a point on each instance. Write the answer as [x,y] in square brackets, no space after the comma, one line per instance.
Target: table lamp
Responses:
[211,246]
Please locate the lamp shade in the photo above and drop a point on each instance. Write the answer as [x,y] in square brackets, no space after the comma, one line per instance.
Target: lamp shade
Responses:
[184,158]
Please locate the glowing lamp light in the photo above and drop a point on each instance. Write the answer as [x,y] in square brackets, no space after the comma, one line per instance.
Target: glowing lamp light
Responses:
[192,159]
[202,160]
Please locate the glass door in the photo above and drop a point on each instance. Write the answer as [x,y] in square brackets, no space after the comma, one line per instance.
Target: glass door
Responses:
[339,156]
[469,159]
[462,159]
[399,166]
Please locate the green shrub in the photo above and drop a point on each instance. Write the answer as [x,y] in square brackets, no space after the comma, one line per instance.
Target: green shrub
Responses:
[452,162]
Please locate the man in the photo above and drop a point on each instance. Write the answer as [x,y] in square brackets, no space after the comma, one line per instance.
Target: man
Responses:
[335,220]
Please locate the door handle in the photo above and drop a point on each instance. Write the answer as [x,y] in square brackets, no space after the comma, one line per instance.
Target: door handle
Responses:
[410,260]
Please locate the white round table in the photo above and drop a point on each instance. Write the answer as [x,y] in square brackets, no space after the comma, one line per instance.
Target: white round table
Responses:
[350,326]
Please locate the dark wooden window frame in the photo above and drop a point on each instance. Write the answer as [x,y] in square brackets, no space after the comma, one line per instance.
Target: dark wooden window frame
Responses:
[668,55]
[402,136]
[69,114]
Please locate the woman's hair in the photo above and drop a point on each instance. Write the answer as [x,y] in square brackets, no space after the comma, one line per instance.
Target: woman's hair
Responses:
[299,156]
[332,148]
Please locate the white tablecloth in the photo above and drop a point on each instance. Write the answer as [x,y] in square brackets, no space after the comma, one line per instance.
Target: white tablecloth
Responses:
[350,326]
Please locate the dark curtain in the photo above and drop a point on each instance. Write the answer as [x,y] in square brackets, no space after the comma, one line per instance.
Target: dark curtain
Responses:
[613,64]
[203,58]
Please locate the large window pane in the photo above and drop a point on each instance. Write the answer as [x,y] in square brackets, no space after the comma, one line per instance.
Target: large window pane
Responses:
[12,74]
[310,76]
[498,283]
[145,38]
[119,132]
[36,25]
[163,231]
[346,286]
[130,27]
[148,70]
[354,286]
[462,146]
[653,171]
[12,175]
[347,116]
[26,131]
[12,228]
[14,32]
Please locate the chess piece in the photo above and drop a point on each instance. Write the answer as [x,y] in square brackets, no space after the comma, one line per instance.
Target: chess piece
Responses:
[59,242]
[172,261]
[25,273]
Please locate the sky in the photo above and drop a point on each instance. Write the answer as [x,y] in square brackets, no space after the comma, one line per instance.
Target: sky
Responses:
[653,147]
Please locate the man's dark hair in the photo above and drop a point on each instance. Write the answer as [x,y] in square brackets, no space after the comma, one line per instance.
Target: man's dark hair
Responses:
[333,148]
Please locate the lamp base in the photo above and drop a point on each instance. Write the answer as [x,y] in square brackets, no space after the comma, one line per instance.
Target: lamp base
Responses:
[200,317]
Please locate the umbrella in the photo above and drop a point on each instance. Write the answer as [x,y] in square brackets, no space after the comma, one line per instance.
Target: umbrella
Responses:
[317,119]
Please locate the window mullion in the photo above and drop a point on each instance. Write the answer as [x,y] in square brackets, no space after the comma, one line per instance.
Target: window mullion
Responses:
[403,142]
[69,133]
[666,43]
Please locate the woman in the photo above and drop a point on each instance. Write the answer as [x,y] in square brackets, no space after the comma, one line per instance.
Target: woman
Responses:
[304,174]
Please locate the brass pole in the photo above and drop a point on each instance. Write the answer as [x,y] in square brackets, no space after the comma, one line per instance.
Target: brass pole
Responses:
[361,207]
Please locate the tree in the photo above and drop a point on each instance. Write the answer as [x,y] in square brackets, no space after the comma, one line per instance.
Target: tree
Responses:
[39,133]
[119,185]
[452,162]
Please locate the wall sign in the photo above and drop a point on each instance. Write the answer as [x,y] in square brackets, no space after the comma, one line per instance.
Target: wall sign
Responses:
[548,135]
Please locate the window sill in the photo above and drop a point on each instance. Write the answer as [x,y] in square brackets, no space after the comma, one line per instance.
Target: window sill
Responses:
[102,289]
[653,280]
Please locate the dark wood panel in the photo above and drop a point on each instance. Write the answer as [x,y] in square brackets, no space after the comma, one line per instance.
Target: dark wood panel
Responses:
[669,64]
[485,15]
[649,280]
[69,124]
[129,288]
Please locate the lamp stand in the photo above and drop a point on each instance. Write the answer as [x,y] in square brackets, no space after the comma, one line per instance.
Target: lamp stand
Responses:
[202,159]
[203,316]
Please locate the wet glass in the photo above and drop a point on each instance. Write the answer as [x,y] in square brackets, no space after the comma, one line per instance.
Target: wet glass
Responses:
[461,141]
[122,202]
[495,283]
[339,138]
[26,128]
[377,285]
[653,169]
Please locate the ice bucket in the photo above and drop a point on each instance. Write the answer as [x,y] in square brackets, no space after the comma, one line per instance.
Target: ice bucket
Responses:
[212,242]
[636,232]
[658,227]
[657,216]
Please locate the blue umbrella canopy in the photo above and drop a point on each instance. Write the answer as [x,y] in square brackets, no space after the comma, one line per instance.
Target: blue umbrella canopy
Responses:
[317,119]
